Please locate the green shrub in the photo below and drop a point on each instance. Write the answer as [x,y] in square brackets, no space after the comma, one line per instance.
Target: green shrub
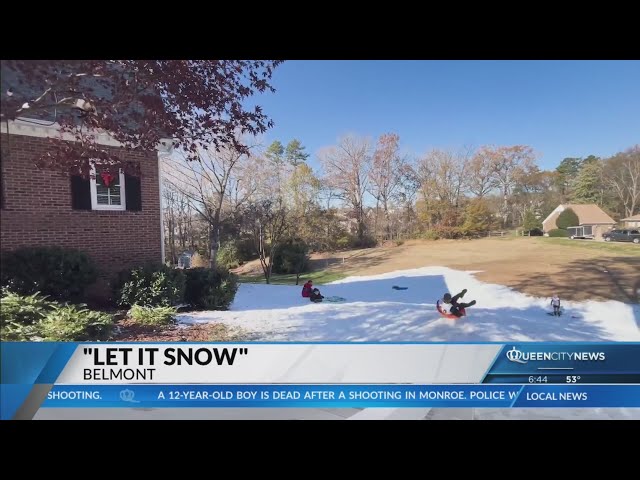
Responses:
[478,220]
[566,219]
[399,243]
[431,235]
[367,241]
[443,232]
[150,286]
[59,273]
[344,241]
[291,257]
[558,232]
[229,255]
[20,315]
[75,323]
[32,317]
[155,316]
[246,249]
[210,289]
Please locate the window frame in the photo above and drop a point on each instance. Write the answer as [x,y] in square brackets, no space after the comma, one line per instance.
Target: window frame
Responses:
[94,192]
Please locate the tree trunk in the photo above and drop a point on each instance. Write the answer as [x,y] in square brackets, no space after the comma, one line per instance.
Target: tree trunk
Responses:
[387,219]
[270,264]
[214,240]
[375,219]
[263,255]
[213,246]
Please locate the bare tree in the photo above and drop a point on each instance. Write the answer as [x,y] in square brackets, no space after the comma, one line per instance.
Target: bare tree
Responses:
[622,175]
[169,196]
[442,176]
[347,166]
[205,182]
[267,221]
[386,175]
[480,174]
[531,192]
[508,165]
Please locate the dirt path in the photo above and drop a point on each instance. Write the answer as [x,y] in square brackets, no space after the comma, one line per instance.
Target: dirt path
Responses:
[535,266]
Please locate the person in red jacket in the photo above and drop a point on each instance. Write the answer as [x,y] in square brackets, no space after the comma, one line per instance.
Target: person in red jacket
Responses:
[307,288]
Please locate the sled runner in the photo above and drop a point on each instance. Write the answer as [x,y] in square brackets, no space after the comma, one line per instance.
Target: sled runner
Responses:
[335,299]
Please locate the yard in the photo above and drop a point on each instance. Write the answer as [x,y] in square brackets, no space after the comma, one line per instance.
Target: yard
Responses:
[574,269]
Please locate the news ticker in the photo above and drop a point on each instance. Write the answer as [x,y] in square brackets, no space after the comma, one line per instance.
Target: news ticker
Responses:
[342,396]
[319,375]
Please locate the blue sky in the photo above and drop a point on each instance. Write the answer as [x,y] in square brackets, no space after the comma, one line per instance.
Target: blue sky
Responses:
[560,108]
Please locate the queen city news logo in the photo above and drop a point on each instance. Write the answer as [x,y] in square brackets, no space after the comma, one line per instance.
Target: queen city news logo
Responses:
[518,356]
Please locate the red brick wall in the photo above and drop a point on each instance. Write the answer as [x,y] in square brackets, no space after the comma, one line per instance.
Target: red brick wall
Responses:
[37,212]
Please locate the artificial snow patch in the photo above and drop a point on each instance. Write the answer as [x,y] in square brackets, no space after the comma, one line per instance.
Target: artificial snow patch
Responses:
[375,312]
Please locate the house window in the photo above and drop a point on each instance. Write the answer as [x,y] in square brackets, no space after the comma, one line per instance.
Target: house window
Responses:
[107,189]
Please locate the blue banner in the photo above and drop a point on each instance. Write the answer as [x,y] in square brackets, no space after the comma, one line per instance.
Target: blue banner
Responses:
[567,359]
[342,396]
[521,374]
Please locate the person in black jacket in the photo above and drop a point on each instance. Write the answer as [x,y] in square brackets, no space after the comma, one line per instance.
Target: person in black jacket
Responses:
[456,308]
[315,296]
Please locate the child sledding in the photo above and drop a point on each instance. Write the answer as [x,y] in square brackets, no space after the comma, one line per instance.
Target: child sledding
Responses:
[307,288]
[314,295]
[456,309]
[557,308]
[311,293]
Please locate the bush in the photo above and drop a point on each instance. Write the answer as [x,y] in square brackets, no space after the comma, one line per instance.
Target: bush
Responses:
[59,273]
[431,235]
[75,323]
[210,289]
[344,241]
[246,250]
[156,316]
[443,232]
[558,232]
[229,255]
[32,317]
[291,257]
[367,241]
[478,219]
[20,315]
[566,219]
[198,260]
[150,286]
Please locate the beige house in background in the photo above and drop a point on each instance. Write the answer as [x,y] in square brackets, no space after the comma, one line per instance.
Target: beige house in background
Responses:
[594,220]
[631,222]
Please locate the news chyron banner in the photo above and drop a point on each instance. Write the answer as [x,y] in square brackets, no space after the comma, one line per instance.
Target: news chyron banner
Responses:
[38,376]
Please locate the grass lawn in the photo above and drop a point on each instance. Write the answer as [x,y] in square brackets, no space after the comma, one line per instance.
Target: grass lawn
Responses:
[319,277]
[612,247]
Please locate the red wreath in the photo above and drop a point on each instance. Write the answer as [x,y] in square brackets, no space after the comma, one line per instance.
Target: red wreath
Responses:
[107,178]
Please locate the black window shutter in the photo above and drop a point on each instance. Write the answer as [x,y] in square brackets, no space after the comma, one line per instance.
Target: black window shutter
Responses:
[133,192]
[80,193]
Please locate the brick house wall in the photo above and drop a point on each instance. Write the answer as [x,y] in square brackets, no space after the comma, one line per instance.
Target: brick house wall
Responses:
[37,211]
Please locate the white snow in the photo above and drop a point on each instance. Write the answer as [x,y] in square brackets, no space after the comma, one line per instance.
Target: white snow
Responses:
[375,312]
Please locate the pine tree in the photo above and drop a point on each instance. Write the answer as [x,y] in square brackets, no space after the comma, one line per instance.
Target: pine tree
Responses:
[275,153]
[531,222]
[587,187]
[295,153]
